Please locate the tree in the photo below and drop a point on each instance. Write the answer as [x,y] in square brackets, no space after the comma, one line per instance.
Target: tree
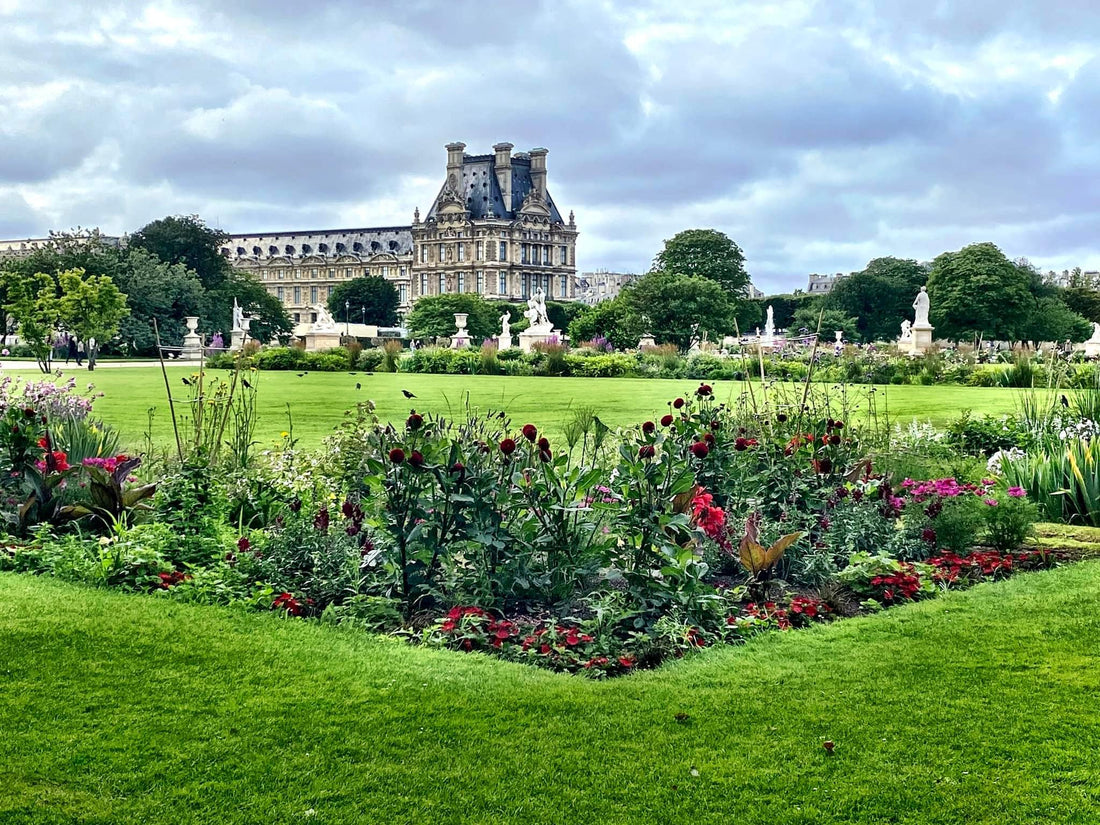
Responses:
[372,300]
[879,297]
[90,308]
[433,316]
[978,291]
[1084,301]
[187,240]
[156,290]
[613,319]
[269,319]
[680,309]
[705,253]
[808,318]
[1049,319]
[32,301]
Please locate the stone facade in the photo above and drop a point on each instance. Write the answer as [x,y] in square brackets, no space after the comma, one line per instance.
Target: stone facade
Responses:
[493,230]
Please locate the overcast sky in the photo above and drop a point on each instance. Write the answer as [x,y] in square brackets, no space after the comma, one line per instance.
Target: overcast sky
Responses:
[817,135]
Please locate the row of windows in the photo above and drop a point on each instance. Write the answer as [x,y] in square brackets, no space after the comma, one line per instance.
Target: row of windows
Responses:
[529,253]
[528,283]
[317,294]
[280,274]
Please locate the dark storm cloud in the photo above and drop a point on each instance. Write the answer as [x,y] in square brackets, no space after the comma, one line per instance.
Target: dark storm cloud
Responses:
[817,134]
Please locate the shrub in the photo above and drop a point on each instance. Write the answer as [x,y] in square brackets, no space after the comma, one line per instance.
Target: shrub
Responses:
[391,356]
[280,358]
[1009,519]
[370,359]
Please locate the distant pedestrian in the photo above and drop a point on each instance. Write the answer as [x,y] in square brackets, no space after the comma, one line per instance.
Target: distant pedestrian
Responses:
[79,353]
[71,351]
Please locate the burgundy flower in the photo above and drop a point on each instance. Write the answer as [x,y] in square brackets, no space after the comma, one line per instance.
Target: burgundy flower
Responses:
[666,420]
[700,449]
[458,468]
[397,455]
[741,444]
[545,456]
[321,520]
[648,428]
[414,422]
[704,390]
[416,459]
[678,403]
[834,439]
[507,446]
[243,544]
[709,438]
[544,443]
[530,432]
[646,451]
[347,508]
[296,505]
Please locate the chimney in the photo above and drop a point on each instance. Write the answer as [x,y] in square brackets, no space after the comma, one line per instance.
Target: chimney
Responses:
[538,171]
[454,158]
[504,172]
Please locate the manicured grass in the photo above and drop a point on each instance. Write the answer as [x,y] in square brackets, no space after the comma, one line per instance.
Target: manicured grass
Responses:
[318,400]
[978,707]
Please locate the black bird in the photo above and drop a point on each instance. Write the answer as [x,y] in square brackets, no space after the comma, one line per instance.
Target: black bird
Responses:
[370,373]
[358,386]
[302,373]
[245,382]
[351,373]
[407,394]
[1065,401]
[186,381]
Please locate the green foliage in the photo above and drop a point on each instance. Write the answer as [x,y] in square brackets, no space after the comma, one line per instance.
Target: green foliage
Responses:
[1063,480]
[91,309]
[679,309]
[370,300]
[811,317]
[614,320]
[32,302]
[877,297]
[1010,522]
[705,253]
[187,240]
[978,291]
[433,316]
[155,290]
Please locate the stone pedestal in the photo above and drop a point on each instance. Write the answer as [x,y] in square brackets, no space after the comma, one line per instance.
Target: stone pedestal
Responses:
[237,338]
[504,342]
[1092,346]
[921,339]
[647,340]
[321,340]
[192,344]
[461,339]
[528,338]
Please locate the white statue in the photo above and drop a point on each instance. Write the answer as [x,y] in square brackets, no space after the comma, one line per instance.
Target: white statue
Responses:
[921,307]
[506,327]
[906,330]
[238,316]
[769,324]
[536,311]
[325,322]
[1095,339]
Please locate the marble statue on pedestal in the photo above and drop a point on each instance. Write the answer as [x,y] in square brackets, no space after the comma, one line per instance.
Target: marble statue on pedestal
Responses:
[536,312]
[1092,346]
[504,341]
[906,330]
[921,307]
[325,322]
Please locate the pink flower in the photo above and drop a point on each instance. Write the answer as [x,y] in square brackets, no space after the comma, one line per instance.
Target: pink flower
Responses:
[992,502]
[1016,492]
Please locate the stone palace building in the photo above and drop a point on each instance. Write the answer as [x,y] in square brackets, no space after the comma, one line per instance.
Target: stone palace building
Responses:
[493,230]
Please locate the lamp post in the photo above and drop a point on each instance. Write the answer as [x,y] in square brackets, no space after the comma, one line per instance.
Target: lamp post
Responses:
[363,315]
[347,311]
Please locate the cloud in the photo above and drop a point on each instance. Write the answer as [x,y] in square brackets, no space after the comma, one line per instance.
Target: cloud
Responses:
[816,133]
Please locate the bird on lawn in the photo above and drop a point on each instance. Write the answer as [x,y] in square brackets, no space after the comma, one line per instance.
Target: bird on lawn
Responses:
[358,386]
[1065,401]
[407,394]
[302,373]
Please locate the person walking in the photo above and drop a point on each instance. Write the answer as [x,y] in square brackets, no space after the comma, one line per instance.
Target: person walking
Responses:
[79,353]
[71,351]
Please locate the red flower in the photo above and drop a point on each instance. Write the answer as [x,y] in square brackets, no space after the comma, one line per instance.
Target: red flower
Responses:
[416,459]
[704,390]
[414,422]
[507,446]
[709,438]
[529,432]
[243,544]
[741,444]
[646,451]
[626,661]
[458,468]
[397,456]
[321,520]
[678,403]
[44,442]
[666,420]
[544,443]
[648,428]
[700,449]
[545,456]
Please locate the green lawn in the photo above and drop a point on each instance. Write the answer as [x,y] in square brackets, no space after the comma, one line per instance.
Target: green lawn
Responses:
[978,707]
[318,400]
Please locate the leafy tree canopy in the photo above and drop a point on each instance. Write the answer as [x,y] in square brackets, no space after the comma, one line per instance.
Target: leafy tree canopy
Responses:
[371,300]
[156,290]
[187,240]
[614,320]
[433,316]
[807,317]
[678,309]
[705,253]
[978,291]
[32,302]
[90,308]
[879,297]
[1085,301]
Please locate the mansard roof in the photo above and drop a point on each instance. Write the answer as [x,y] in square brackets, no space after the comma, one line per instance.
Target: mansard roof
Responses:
[329,243]
[479,189]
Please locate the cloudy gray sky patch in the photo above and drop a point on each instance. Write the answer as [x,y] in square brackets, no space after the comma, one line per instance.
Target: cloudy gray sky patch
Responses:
[816,133]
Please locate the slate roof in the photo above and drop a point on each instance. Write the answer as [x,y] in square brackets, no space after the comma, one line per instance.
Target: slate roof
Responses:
[479,188]
[396,240]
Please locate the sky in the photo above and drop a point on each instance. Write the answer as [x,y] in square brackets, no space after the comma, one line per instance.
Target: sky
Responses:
[817,135]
